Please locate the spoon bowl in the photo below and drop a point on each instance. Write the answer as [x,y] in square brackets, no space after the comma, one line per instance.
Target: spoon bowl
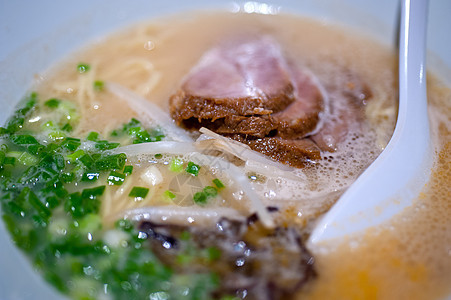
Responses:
[396,177]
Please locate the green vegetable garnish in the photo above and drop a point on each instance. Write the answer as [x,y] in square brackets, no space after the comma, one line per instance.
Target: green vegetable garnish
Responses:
[206,194]
[111,162]
[210,191]
[93,136]
[218,183]
[192,168]
[200,198]
[98,85]
[52,103]
[56,219]
[138,192]
[176,165]
[116,178]
[90,176]
[128,170]
[137,133]
[82,67]
[168,194]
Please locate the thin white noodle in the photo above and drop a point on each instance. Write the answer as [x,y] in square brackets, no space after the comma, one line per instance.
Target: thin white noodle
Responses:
[147,109]
[172,214]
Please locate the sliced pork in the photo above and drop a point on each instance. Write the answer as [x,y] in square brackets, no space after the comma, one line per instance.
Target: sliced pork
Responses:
[248,87]
[248,90]
[348,97]
[237,78]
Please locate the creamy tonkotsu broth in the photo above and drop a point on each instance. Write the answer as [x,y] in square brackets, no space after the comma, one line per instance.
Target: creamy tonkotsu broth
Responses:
[107,240]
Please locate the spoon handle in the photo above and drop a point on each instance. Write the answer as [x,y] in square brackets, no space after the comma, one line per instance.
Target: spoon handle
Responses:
[395,178]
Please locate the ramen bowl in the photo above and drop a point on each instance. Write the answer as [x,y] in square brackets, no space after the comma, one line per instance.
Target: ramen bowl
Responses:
[32,41]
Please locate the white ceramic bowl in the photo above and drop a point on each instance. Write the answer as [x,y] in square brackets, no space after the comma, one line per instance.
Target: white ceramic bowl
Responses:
[34,34]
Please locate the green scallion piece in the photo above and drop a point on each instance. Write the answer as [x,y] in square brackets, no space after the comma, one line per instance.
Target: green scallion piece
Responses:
[98,85]
[111,162]
[24,139]
[52,103]
[200,198]
[9,161]
[87,160]
[90,176]
[92,136]
[116,178]
[2,158]
[192,168]
[27,159]
[176,165]
[93,192]
[139,192]
[169,195]
[218,183]
[210,192]
[67,127]
[67,177]
[128,170]
[76,155]
[57,135]
[71,143]
[82,68]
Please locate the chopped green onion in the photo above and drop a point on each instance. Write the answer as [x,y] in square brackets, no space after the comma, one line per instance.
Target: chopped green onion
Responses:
[90,176]
[71,143]
[158,156]
[218,183]
[82,68]
[169,195]
[138,192]
[67,177]
[2,158]
[9,161]
[206,194]
[23,139]
[192,168]
[76,155]
[87,160]
[93,136]
[27,159]
[176,165]
[98,85]
[56,135]
[93,192]
[67,127]
[128,170]
[210,192]
[52,103]
[111,162]
[116,178]
[200,198]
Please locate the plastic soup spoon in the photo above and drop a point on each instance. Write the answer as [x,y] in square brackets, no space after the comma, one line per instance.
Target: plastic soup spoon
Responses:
[396,177]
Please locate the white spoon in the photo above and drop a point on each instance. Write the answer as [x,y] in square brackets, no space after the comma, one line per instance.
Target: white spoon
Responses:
[396,177]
